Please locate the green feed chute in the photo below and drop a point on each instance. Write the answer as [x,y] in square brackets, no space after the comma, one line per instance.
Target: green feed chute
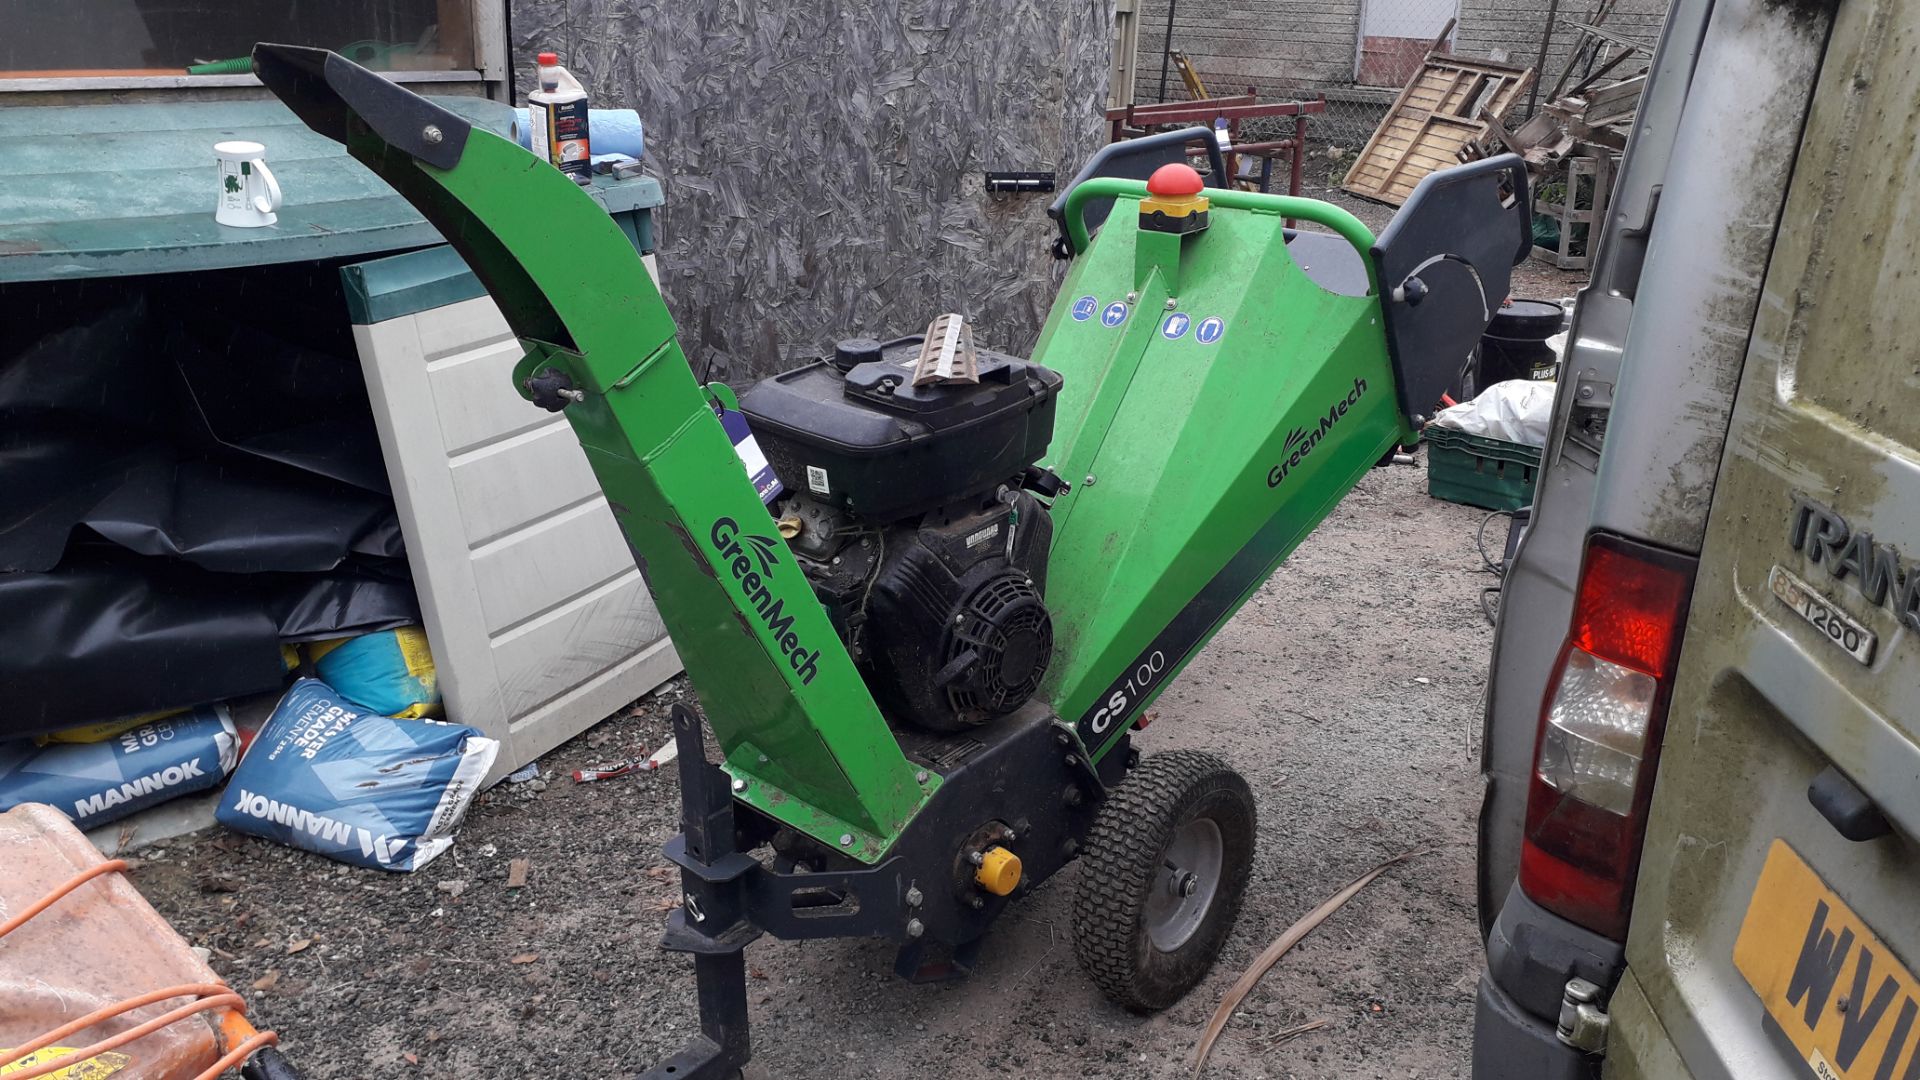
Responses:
[790,711]
[923,661]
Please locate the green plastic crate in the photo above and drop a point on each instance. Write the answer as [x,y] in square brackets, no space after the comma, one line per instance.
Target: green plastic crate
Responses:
[1479,471]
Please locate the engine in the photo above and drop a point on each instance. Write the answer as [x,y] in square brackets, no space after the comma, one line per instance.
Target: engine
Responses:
[912,511]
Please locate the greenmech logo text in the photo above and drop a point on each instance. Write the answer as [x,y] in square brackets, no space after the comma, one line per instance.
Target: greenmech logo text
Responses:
[1302,441]
[741,554]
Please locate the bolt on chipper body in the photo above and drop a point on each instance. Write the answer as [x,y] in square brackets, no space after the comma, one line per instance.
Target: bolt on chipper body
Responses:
[922,658]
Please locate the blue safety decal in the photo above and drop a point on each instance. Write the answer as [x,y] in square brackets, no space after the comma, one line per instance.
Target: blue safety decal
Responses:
[1175,326]
[1084,308]
[1115,314]
[1210,330]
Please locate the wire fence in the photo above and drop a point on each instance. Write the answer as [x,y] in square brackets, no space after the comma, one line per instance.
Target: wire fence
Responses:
[1358,54]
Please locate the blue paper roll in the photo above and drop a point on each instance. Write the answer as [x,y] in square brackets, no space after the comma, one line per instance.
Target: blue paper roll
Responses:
[609,131]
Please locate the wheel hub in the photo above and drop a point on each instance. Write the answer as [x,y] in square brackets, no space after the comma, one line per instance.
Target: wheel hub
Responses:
[1185,887]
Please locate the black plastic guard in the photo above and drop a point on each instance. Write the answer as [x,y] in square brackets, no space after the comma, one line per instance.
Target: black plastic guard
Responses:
[1132,159]
[1446,263]
[331,94]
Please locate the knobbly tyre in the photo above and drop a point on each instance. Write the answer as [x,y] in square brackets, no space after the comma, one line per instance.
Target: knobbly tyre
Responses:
[922,659]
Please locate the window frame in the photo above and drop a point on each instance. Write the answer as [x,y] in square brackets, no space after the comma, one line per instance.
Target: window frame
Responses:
[488,19]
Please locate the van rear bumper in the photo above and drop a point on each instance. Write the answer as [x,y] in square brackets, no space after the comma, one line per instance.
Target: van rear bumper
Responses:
[1510,1043]
[1531,953]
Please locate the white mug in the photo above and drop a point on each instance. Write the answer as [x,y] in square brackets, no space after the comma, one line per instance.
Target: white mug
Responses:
[249,194]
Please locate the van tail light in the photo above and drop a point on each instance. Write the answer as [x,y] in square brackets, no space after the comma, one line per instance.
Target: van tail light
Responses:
[1599,737]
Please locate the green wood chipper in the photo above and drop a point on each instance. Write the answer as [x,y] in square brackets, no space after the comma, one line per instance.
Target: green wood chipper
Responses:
[922,639]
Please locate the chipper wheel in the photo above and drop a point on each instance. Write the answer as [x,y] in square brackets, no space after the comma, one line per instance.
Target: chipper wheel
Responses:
[1162,875]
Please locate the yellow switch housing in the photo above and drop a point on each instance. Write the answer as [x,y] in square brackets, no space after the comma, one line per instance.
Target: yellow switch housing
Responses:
[999,871]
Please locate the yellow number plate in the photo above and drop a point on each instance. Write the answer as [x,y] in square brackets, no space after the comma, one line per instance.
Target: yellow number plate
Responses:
[1842,997]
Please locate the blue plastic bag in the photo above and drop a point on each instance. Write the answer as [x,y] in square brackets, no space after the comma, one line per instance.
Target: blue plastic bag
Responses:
[98,782]
[390,672]
[333,777]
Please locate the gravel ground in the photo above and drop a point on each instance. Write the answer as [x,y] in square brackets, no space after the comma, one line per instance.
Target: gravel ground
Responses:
[1348,692]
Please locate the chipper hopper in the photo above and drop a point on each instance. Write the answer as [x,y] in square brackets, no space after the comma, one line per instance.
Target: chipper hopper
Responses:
[923,655]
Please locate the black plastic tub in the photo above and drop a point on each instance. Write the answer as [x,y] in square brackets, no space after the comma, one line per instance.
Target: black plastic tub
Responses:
[1515,343]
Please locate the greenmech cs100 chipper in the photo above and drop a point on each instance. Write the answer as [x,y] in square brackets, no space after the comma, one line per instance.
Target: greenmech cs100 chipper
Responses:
[922,659]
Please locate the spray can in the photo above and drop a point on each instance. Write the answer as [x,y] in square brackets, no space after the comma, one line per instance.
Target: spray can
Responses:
[558,111]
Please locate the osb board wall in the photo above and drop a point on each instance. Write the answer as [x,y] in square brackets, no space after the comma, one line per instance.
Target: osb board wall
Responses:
[822,160]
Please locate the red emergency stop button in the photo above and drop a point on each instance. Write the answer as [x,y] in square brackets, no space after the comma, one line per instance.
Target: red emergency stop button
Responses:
[1173,180]
[1174,203]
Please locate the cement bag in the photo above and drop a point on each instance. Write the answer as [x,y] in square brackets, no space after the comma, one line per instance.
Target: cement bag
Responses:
[98,782]
[390,672]
[101,732]
[333,777]
[1515,411]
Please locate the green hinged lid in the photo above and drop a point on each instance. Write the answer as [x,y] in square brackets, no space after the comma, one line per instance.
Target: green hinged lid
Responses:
[107,190]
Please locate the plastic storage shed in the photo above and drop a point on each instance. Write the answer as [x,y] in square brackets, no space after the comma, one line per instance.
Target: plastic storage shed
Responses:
[539,622]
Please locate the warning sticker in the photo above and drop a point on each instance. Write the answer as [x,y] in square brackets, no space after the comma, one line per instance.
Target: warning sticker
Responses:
[98,1067]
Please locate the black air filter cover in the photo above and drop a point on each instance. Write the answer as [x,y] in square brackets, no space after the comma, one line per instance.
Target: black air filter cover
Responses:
[870,441]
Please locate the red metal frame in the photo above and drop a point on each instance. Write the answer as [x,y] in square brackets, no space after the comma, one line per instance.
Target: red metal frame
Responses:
[1136,120]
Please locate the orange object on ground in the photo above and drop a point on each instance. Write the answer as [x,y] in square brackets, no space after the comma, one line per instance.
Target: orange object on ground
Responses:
[91,949]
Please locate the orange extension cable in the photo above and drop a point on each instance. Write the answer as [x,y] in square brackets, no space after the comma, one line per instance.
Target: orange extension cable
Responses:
[243,1040]
[225,998]
[233,1023]
[53,897]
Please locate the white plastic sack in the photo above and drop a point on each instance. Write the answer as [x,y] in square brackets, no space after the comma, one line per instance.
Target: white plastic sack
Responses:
[1515,411]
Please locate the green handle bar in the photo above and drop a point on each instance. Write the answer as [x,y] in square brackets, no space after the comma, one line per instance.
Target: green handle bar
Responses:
[1350,228]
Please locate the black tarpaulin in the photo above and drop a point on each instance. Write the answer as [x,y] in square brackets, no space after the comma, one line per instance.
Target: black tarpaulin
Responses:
[189,475]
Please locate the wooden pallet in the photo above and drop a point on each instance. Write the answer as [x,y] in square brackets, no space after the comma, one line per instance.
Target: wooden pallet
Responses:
[1449,106]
